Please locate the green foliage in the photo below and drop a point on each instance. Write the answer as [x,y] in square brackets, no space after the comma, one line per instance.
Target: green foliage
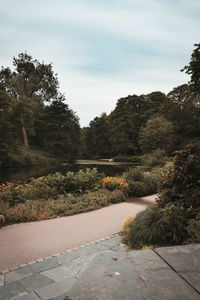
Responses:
[82,181]
[193,231]
[147,229]
[65,205]
[25,117]
[193,69]
[57,130]
[182,108]
[156,158]
[21,157]
[96,138]
[134,174]
[52,186]
[180,195]
[141,183]
[157,134]
[182,185]
[177,210]
[174,220]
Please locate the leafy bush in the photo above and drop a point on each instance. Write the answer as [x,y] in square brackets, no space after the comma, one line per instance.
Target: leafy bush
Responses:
[174,220]
[133,174]
[139,189]
[72,182]
[113,183]
[157,158]
[12,195]
[141,183]
[182,185]
[51,186]
[147,228]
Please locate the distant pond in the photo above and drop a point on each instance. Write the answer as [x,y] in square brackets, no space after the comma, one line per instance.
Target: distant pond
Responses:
[23,174]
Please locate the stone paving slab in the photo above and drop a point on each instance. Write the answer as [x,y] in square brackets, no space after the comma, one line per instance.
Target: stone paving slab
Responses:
[59,273]
[1,280]
[27,296]
[18,274]
[108,270]
[45,265]
[34,282]
[11,290]
[185,260]
[182,258]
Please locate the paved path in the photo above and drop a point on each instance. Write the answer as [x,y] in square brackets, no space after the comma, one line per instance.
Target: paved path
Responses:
[26,242]
[106,270]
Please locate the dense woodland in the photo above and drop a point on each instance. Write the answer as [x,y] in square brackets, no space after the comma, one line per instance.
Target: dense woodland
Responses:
[144,123]
[34,116]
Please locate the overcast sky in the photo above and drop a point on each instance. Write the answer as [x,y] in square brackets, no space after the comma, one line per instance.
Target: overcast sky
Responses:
[103,50]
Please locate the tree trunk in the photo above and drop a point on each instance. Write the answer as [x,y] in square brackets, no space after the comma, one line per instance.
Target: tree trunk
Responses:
[26,143]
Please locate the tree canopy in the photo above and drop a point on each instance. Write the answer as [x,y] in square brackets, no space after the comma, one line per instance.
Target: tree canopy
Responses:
[34,111]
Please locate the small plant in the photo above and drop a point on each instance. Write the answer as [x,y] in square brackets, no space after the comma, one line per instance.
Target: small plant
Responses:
[126,228]
[133,174]
[113,183]
[193,231]
[147,228]
[147,247]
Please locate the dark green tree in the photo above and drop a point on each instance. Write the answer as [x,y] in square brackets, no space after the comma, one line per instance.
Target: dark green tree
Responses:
[182,109]
[97,137]
[157,134]
[7,129]
[193,69]
[30,84]
[126,120]
[58,130]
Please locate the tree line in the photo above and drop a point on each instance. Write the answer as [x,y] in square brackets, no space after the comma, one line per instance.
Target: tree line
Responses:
[144,123]
[34,113]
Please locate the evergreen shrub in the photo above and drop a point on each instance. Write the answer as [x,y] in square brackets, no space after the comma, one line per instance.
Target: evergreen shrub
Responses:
[175,218]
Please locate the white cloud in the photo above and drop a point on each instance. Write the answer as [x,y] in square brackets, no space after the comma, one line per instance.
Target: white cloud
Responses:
[160,35]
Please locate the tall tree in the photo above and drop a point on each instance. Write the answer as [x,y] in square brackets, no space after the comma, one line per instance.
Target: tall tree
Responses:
[126,119]
[97,137]
[57,129]
[30,84]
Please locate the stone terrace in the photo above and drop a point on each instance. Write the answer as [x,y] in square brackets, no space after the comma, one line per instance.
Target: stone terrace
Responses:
[107,270]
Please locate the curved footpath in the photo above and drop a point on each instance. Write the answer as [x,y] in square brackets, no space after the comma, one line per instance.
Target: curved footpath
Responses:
[27,242]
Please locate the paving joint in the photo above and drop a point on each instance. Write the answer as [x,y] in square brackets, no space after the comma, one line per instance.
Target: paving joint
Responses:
[165,261]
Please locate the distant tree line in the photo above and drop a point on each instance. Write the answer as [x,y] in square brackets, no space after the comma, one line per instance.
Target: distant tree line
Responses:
[33,112]
[141,124]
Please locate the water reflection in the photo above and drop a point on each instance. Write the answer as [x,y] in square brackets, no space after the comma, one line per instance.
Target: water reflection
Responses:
[23,174]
